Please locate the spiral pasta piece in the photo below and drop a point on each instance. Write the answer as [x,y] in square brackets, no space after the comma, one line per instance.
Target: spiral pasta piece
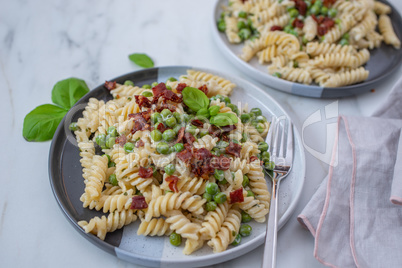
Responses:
[254,208]
[232,30]
[347,78]
[387,31]
[267,54]
[155,227]
[97,177]
[213,221]
[208,142]
[227,86]
[315,48]
[381,8]
[258,184]
[296,75]
[126,91]
[239,164]
[181,225]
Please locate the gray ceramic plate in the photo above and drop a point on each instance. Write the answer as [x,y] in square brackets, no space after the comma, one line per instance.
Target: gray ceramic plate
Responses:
[67,182]
[383,62]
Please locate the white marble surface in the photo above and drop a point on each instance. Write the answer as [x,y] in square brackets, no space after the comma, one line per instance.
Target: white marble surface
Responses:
[45,41]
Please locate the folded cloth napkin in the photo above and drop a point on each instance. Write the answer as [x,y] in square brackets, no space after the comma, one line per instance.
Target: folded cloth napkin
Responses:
[355,215]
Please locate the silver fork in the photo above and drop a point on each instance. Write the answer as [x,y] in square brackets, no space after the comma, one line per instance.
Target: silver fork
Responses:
[280,140]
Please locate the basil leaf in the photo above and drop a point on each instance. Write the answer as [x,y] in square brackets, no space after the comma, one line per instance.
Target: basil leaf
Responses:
[68,91]
[195,99]
[142,60]
[41,123]
[223,119]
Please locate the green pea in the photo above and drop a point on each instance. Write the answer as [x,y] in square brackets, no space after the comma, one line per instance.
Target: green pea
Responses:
[261,119]
[101,140]
[162,148]
[233,107]
[294,32]
[110,141]
[177,116]
[256,111]
[203,113]
[276,74]
[265,159]
[293,12]
[237,240]
[318,3]
[288,28]
[176,128]
[338,21]
[244,34]
[220,198]
[223,182]
[242,14]
[154,84]
[113,180]
[207,197]
[244,137]
[203,133]
[156,135]
[216,151]
[222,144]
[129,147]
[219,174]
[112,131]
[73,126]
[260,127]
[245,230]
[212,188]
[175,239]
[187,117]
[246,181]
[111,164]
[250,193]
[345,36]
[146,86]
[211,206]
[265,155]
[269,165]
[108,157]
[304,40]
[191,129]
[172,79]
[156,117]
[221,25]
[214,110]
[324,10]
[245,118]
[169,135]
[263,146]
[170,169]
[322,39]
[171,121]
[128,83]
[147,94]
[315,9]
[332,12]
[226,100]
[165,113]
[245,217]
[344,42]
[178,147]
[168,87]
[241,24]
[235,141]
[295,64]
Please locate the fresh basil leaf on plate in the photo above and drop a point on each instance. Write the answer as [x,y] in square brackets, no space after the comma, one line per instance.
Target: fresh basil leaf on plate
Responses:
[142,60]
[195,99]
[224,119]
[41,123]
[68,91]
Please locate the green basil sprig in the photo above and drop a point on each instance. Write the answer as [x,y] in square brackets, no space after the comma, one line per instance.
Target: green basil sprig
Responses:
[224,119]
[142,60]
[195,99]
[41,123]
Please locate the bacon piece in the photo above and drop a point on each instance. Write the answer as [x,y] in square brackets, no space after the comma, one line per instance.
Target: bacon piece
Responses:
[276,28]
[328,3]
[216,131]
[220,162]
[158,90]
[185,156]
[170,95]
[301,6]
[203,154]
[197,123]
[145,172]
[233,149]
[298,23]
[139,144]
[160,107]
[328,22]
[188,138]
[201,164]
[142,101]
[180,134]
[322,30]
[138,202]
[204,89]
[145,114]
[253,158]
[140,120]
[110,85]
[180,87]
[236,196]
[172,180]
[161,127]
[121,140]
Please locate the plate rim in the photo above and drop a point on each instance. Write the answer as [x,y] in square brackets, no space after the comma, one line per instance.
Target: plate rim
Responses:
[54,170]
[315,91]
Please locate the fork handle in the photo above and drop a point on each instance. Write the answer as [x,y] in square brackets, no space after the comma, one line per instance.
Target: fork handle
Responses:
[269,257]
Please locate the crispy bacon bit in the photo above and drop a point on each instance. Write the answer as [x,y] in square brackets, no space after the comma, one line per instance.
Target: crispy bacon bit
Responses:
[170,95]
[180,134]
[145,114]
[328,3]
[161,127]
[145,172]
[139,144]
[203,154]
[197,123]
[110,85]
[188,138]
[298,23]
[185,156]
[121,140]
[253,158]
[138,202]
[323,24]
[301,6]
[328,22]
[160,107]
[204,89]
[201,164]
[216,131]
[236,196]
[158,90]
[220,162]
[180,87]
[276,28]
[228,128]
[315,18]
[233,149]
[172,180]
[142,101]
[140,121]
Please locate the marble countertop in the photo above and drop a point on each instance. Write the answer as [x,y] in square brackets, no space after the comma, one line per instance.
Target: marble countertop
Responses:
[45,41]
